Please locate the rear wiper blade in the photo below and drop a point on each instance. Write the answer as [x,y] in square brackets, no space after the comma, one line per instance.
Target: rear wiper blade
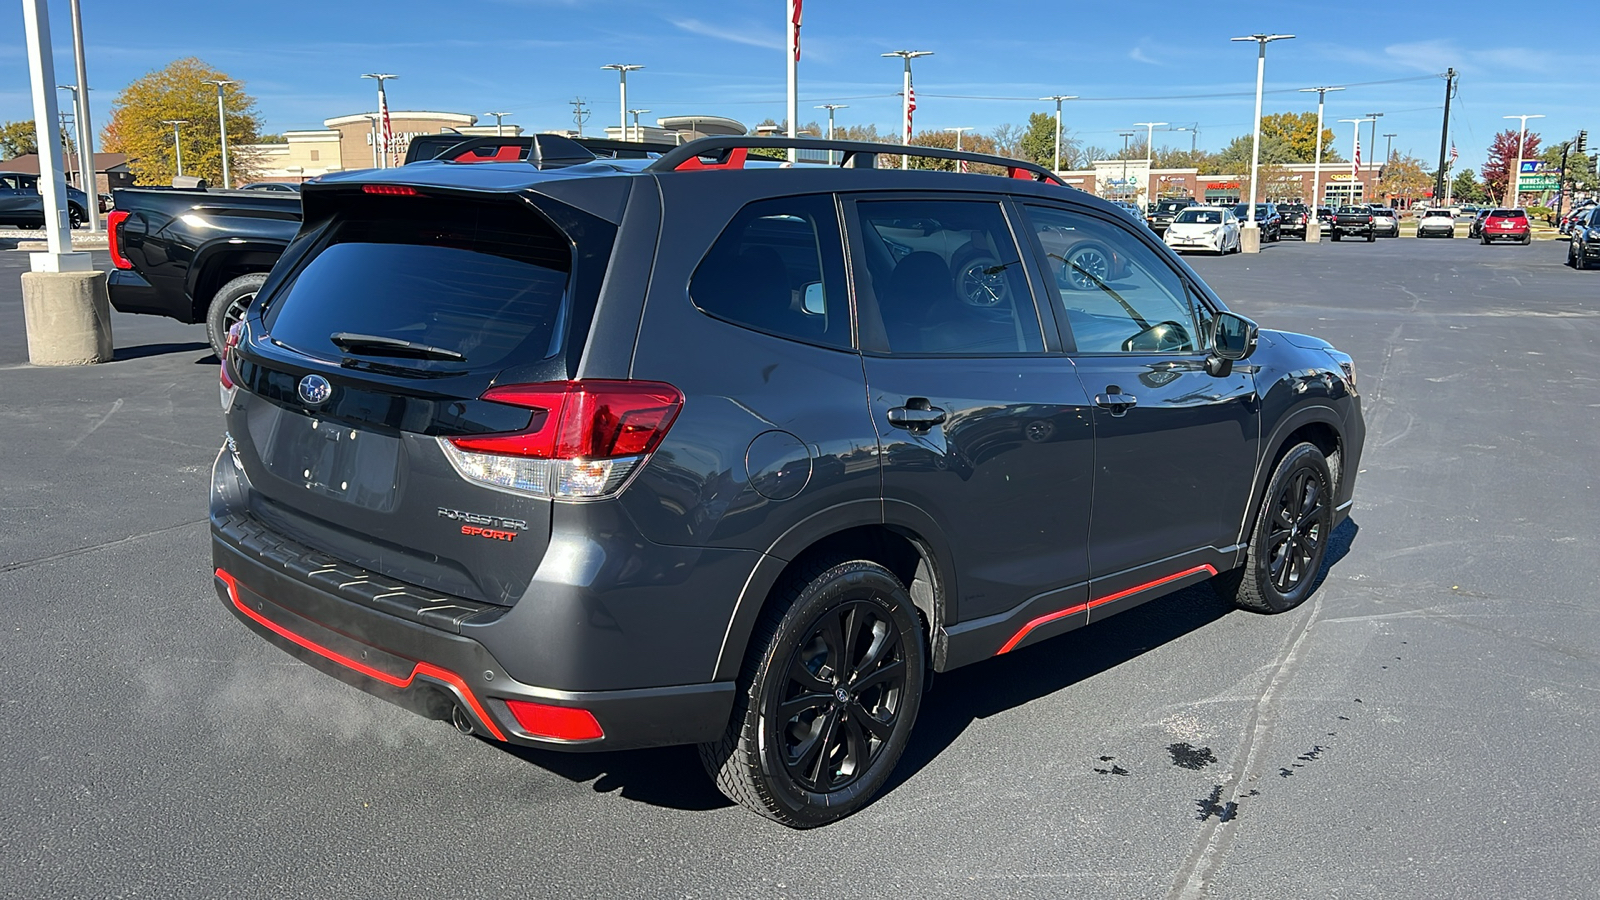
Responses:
[378,345]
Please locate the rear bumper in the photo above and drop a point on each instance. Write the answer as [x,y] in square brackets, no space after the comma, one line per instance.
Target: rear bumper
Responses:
[131,293]
[433,672]
[1506,235]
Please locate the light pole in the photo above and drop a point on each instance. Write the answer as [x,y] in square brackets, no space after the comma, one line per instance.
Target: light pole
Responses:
[1250,242]
[961,164]
[1149,151]
[1126,136]
[636,113]
[222,128]
[1316,169]
[85,133]
[1057,98]
[1374,143]
[373,121]
[385,134]
[1355,153]
[1388,147]
[907,100]
[177,148]
[622,78]
[499,118]
[830,107]
[1514,182]
[82,167]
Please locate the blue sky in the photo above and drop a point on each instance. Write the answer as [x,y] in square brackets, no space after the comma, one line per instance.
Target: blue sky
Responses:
[302,61]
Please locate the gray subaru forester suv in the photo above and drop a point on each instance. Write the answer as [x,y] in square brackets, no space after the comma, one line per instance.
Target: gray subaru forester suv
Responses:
[589,455]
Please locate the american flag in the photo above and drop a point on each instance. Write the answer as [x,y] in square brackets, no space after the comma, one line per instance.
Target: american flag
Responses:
[387,137]
[1453,154]
[794,17]
[1355,168]
[911,107]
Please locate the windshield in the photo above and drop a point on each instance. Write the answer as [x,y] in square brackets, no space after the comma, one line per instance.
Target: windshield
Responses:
[1199,217]
[1243,210]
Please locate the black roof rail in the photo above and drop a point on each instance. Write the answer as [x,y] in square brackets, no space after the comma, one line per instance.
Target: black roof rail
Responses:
[731,151]
[623,149]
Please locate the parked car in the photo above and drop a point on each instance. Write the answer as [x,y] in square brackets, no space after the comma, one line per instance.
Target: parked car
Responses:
[470,468]
[1475,230]
[1294,217]
[1436,223]
[1572,218]
[1132,209]
[1506,224]
[21,204]
[1267,219]
[1325,215]
[1355,220]
[1166,209]
[1212,228]
[1584,250]
[1386,221]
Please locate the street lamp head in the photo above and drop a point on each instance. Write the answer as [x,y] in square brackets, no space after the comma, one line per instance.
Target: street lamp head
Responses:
[1524,118]
[379,75]
[1060,97]
[832,106]
[1149,124]
[1320,90]
[1264,38]
[909,54]
[219,82]
[622,67]
[174,121]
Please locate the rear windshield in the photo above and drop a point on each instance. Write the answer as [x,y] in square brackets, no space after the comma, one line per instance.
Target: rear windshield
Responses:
[1508,214]
[1172,205]
[1435,213]
[479,284]
[1199,217]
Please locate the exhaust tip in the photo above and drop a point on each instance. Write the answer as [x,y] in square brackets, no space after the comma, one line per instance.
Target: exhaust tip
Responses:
[461,720]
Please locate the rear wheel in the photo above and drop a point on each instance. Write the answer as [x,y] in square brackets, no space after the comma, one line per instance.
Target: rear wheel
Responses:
[1290,538]
[1336,236]
[75,216]
[1371,236]
[228,306]
[827,697]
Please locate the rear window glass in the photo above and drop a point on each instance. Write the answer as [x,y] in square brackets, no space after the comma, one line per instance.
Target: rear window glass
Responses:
[1507,213]
[1172,205]
[1434,213]
[477,284]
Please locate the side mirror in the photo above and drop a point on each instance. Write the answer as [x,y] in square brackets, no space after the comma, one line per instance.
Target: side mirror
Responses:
[1233,337]
[813,301]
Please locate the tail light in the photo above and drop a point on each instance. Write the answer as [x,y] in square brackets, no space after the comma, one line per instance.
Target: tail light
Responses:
[114,238]
[228,388]
[583,440]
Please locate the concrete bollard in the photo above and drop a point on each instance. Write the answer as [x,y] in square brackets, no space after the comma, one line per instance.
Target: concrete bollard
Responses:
[68,317]
[1250,239]
[1313,230]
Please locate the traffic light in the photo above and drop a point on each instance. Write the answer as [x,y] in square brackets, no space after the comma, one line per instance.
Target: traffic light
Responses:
[1583,142]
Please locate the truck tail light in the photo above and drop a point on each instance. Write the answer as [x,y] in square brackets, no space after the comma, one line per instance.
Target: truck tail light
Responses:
[228,388]
[583,439]
[114,238]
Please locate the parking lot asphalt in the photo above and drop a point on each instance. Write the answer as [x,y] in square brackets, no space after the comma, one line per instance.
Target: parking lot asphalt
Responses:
[1423,727]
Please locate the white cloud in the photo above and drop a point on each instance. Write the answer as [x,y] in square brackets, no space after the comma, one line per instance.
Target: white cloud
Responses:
[754,37]
[1137,54]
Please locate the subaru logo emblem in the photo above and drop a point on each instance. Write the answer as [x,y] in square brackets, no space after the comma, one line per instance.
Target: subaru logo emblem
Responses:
[315,390]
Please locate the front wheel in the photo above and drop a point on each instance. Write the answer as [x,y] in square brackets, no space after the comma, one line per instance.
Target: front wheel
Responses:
[1372,236]
[75,216]
[1290,538]
[827,697]
[228,305]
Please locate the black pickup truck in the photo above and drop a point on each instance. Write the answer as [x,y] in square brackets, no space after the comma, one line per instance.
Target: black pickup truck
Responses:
[201,255]
[1357,221]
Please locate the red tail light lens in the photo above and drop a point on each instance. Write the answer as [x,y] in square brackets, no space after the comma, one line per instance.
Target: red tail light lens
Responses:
[114,238]
[391,190]
[560,722]
[583,440]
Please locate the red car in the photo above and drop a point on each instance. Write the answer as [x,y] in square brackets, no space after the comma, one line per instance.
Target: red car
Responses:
[1507,225]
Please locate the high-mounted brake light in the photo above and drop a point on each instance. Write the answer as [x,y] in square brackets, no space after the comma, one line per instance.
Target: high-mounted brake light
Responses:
[583,439]
[391,190]
[114,238]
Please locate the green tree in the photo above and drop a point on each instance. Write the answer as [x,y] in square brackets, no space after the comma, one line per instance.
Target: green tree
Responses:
[17,138]
[1298,132]
[179,91]
[975,143]
[1038,143]
[1466,187]
[1404,176]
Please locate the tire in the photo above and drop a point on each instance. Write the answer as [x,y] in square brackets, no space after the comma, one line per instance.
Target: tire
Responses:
[1527,240]
[1580,261]
[1290,537]
[769,759]
[1336,237]
[1091,258]
[1485,240]
[975,285]
[1371,236]
[75,216]
[228,305]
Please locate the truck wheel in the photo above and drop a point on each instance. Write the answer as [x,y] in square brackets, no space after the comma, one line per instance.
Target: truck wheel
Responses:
[1290,537]
[1371,236]
[827,697]
[228,305]
[1336,236]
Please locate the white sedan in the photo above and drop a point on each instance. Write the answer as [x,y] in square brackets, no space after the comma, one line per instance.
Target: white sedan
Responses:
[1211,228]
[1436,222]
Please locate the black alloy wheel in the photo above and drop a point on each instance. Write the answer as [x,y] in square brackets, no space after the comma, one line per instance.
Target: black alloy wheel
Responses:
[228,306]
[75,216]
[827,697]
[1290,538]
[1085,269]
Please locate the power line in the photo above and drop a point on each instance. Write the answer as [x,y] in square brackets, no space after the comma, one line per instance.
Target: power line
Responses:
[1184,96]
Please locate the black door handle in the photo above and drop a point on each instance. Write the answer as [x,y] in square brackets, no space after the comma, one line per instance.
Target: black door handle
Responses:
[917,415]
[1119,403]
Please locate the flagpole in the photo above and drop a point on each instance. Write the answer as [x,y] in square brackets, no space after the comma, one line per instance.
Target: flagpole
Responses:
[386,129]
[792,52]
[906,102]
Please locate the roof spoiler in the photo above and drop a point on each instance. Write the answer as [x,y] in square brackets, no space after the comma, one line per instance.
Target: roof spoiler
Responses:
[731,152]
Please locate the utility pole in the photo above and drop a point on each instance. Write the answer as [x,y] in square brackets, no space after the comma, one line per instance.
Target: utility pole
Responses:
[1194,136]
[580,113]
[636,113]
[830,107]
[222,130]
[499,117]
[1316,168]
[1057,98]
[622,77]
[63,133]
[907,99]
[1444,133]
[85,133]
[177,147]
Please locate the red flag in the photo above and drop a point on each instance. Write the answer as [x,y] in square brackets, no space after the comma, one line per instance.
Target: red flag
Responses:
[794,18]
[387,137]
[1453,154]
[1355,168]
[911,107]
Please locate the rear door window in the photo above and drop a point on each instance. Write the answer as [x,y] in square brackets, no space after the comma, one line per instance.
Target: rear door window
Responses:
[439,284]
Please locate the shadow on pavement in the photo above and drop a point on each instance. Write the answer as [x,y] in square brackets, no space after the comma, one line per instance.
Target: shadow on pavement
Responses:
[144,350]
[673,777]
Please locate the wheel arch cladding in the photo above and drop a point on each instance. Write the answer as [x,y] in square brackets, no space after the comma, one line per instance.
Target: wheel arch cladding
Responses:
[1317,426]
[219,263]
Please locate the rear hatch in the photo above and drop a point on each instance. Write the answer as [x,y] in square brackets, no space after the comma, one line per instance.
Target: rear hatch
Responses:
[400,308]
[1506,220]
